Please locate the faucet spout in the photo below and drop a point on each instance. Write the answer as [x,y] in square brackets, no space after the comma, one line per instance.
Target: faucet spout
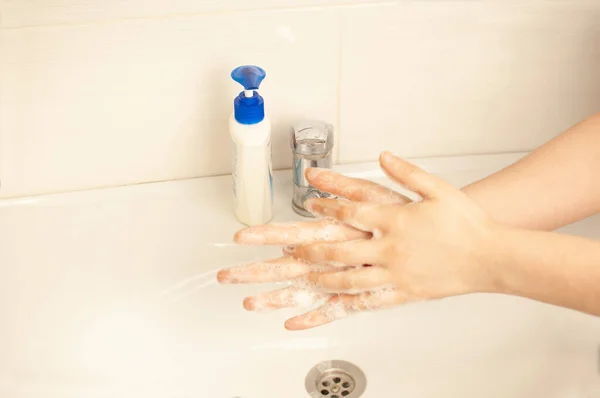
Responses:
[312,145]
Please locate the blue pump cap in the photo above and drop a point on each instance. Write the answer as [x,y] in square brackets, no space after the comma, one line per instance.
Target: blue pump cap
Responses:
[249,76]
[249,108]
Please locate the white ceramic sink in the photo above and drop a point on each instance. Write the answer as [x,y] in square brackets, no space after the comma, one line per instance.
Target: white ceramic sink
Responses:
[112,293]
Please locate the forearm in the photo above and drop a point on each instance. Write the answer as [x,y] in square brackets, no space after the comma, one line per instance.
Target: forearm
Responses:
[549,267]
[557,184]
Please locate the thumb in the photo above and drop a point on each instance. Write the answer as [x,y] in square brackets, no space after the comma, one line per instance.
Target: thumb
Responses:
[414,178]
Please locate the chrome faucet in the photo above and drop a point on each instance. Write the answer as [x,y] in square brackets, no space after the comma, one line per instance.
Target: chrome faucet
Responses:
[312,144]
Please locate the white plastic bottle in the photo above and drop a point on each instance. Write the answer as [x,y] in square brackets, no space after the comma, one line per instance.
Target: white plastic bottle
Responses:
[251,134]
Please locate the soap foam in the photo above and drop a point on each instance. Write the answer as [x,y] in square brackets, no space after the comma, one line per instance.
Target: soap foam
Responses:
[335,310]
[324,230]
[346,305]
[377,194]
[289,297]
[271,271]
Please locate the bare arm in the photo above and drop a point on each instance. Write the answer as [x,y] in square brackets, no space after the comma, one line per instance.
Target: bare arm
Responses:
[550,267]
[557,184]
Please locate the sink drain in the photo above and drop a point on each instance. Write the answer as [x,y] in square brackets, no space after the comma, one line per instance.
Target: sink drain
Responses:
[335,379]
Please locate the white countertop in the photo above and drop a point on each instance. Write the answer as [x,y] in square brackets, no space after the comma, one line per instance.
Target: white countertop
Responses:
[112,292]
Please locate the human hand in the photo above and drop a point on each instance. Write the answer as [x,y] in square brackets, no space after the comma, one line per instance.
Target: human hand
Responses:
[287,268]
[431,249]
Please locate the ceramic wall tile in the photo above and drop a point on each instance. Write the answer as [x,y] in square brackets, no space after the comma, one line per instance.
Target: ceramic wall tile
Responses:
[442,78]
[147,100]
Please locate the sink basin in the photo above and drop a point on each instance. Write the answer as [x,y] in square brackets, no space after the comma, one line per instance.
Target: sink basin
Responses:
[112,293]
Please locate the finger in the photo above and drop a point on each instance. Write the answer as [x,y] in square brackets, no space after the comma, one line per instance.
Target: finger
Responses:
[344,305]
[283,298]
[279,269]
[362,216]
[353,281]
[354,189]
[298,233]
[341,254]
[414,178]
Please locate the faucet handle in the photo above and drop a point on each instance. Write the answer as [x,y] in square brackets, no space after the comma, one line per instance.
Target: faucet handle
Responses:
[312,138]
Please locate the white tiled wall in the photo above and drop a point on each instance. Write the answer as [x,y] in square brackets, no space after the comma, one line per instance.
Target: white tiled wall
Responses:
[428,78]
[108,92]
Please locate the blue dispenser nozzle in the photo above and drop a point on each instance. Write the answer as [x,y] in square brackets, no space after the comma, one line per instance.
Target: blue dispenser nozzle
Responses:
[249,106]
[248,76]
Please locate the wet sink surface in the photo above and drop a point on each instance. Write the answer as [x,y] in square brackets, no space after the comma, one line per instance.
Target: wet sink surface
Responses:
[112,293]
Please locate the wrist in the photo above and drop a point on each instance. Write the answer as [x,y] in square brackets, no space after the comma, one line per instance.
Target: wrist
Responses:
[494,260]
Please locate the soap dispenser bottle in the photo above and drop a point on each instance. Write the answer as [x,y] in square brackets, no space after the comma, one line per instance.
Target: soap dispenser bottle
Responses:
[251,135]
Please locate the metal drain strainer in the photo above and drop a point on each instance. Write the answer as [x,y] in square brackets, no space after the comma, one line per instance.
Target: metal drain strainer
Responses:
[335,379]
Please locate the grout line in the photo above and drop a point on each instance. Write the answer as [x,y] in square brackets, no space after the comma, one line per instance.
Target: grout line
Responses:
[337,138]
[206,13]
[101,187]
[221,12]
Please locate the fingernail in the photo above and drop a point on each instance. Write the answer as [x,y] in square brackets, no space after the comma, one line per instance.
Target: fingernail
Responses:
[222,276]
[289,325]
[386,156]
[312,207]
[250,237]
[248,303]
[225,277]
[297,323]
